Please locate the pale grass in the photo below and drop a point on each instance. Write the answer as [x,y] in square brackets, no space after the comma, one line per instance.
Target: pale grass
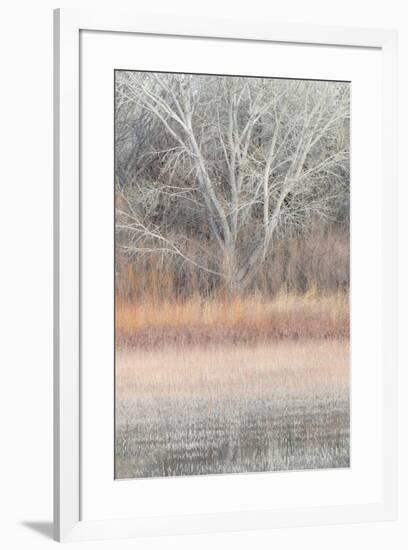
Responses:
[196,410]
[233,372]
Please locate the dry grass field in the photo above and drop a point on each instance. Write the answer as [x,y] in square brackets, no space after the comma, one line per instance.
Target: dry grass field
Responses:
[247,386]
[240,320]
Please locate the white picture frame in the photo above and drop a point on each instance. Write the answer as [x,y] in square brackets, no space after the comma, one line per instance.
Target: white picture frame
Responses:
[68,477]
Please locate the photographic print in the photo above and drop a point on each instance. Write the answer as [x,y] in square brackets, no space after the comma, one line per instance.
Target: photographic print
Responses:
[232,198]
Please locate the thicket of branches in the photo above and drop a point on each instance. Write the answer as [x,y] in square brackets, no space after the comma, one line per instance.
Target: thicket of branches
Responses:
[231,184]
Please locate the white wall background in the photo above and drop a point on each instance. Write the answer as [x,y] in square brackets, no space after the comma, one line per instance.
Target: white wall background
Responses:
[26,271]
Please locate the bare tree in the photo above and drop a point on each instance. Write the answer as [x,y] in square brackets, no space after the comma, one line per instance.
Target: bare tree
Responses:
[233,161]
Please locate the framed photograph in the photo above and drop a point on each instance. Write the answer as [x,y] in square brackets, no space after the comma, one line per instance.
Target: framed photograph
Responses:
[225,275]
